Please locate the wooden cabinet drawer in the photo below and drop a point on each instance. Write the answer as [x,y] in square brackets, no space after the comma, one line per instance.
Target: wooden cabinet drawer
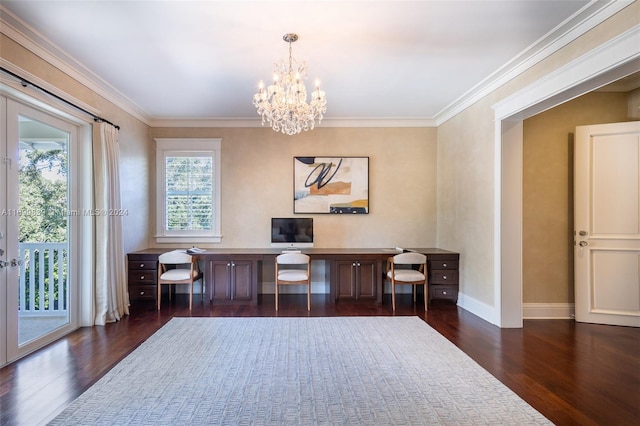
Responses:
[136,277]
[143,292]
[143,265]
[443,292]
[443,264]
[444,277]
[142,276]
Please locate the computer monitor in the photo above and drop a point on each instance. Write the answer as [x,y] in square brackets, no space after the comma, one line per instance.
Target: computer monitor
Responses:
[291,232]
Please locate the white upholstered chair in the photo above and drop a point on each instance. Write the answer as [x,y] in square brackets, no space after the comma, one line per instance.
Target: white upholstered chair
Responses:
[293,269]
[401,270]
[185,270]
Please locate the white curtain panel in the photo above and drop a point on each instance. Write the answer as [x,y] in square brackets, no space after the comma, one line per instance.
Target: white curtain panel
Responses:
[111,295]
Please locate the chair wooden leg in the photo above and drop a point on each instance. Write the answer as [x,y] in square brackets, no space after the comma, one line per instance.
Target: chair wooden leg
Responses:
[276,296]
[414,292]
[426,296]
[191,296]
[159,294]
[393,296]
[309,297]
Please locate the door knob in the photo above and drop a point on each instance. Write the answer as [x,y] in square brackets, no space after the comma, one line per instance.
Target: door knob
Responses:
[583,233]
[583,243]
[3,264]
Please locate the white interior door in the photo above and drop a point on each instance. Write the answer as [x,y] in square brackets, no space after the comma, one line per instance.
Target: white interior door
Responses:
[607,223]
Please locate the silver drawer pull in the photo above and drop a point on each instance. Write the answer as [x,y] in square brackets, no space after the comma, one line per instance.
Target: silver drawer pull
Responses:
[444,292]
[141,265]
[444,277]
[142,277]
[444,265]
[142,293]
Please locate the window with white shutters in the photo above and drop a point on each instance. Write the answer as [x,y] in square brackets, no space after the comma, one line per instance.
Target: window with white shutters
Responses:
[188,190]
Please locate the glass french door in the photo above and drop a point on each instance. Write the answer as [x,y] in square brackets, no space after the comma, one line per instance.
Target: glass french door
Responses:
[37,280]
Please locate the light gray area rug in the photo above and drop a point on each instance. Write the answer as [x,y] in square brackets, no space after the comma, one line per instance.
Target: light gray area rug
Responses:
[298,371]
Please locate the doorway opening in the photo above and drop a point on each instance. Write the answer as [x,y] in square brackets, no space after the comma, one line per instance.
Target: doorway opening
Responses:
[593,70]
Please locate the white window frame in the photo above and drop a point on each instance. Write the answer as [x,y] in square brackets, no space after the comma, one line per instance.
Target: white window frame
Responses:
[172,147]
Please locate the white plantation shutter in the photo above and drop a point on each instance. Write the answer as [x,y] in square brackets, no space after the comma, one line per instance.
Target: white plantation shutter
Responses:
[189,193]
[188,198]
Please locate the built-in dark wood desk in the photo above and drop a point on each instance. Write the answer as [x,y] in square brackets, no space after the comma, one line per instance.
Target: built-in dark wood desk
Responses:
[354,274]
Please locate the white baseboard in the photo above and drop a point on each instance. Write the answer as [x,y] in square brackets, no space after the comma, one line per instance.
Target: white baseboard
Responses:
[548,311]
[476,307]
[529,310]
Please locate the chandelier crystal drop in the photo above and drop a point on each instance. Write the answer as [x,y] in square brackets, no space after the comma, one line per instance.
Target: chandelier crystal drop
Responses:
[284,103]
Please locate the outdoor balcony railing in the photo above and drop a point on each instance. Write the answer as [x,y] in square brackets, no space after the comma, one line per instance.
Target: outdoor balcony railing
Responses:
[43,279]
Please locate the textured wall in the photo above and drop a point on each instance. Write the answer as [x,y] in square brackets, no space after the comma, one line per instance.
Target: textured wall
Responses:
[257,183]
[134,152]
[466,169]
[548,192]
[403,171]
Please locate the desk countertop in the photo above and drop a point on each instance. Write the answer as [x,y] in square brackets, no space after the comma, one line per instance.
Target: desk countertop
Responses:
[317,251]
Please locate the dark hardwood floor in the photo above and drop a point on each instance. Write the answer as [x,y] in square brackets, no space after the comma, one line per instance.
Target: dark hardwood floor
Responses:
[572,373]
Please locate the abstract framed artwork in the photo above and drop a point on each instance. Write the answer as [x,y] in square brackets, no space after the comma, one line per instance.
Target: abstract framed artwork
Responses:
[335,185]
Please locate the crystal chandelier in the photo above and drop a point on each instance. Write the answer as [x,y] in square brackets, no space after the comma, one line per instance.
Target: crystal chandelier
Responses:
[284,103]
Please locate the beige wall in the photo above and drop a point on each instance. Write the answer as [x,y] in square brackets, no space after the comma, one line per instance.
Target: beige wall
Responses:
[634,105]
[465,197]
[548,192]
[133,137]
[257,172]
[466,169]
[456,213]
[257,183]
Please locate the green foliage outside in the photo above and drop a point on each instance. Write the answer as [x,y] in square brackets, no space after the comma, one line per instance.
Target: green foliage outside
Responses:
[189,189]
[43,196]
[43,219]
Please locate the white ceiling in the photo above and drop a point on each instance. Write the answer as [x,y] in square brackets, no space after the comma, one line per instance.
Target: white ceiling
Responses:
[376,60]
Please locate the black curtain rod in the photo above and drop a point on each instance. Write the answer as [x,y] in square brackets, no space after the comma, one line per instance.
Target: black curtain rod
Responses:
[26,83]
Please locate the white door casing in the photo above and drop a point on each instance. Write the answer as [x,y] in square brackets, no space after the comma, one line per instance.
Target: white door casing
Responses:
[3,231]
[607,223]
[12,348]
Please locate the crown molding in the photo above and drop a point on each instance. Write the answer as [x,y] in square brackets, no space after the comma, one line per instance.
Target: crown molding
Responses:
[17,30]
[327,122]
[573,27]
[614,59]
[569,30]
[45,85]
[14,28]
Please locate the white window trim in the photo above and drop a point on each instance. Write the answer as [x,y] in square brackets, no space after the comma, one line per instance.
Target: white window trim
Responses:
[182,146]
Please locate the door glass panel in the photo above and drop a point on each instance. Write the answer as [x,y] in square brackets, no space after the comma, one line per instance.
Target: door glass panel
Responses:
[43,181]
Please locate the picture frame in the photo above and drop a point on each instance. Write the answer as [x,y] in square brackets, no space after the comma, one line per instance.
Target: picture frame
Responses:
[331,185]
